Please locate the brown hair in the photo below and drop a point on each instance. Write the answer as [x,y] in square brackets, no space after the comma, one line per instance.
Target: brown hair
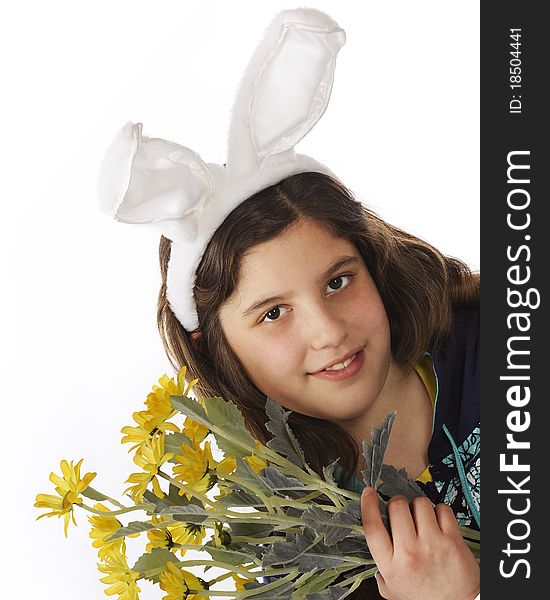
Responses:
[419,286]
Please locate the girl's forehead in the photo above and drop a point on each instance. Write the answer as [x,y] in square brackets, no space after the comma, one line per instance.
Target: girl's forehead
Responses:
[300,250]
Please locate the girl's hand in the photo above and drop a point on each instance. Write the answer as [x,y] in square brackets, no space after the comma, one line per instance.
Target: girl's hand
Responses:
[427,557]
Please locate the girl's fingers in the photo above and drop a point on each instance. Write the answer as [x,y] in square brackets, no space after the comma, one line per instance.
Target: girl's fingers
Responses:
[402,525]
[381,585]
[446,519]
[378,538]
[424,516]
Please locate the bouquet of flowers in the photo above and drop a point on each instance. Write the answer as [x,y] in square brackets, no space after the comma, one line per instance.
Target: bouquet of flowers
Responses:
[260,515]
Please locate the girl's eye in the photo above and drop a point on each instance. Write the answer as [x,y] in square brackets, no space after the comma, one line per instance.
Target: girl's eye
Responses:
[273,314]
[340,282]
[337,281]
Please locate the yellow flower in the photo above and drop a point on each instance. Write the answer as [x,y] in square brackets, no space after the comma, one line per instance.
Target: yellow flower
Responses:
[179,584]
[159,410]
[221,537]
[168,537]
[225,467]
[150,458]
[147,426]
[102,528]
[194,468]
[198,470]
[255,462]
[159,538]
[68,487]
[240,581]
[120,576]
[158,401]
[187,533]
[196,432]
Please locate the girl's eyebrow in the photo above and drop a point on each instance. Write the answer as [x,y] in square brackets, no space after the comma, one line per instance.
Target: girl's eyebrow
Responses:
[340,262]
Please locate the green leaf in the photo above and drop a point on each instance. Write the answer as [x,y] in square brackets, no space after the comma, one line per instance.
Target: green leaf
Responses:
[279,482]
[374,453]
[353,508]
[335,526]
[250,529]
[253,481]
[172,499]
[94,494]
[172,443]
[354,546]
[190,408]
[231,557]
[235,439]
[281,553]
[133,527]
[320,582]
[190,513]
[240,498]
[304,554]
[398,482]
[284,441]
[158,557]
[328,472]
[283,592]
[331,593]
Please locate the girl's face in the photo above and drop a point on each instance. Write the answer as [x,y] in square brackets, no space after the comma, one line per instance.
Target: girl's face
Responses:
[305,301]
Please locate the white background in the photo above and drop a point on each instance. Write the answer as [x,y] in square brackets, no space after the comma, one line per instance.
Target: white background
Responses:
[80,346]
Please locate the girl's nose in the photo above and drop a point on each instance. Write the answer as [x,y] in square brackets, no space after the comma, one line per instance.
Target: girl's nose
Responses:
[324,328]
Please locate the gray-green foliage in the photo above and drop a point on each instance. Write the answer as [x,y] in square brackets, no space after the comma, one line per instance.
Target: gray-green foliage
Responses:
[284,441]
[304,532]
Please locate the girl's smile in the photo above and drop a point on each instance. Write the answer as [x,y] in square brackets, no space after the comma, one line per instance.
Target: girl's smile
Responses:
[342,369]
[308,325]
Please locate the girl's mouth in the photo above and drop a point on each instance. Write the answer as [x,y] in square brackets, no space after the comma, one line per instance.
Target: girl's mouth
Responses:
[337,373]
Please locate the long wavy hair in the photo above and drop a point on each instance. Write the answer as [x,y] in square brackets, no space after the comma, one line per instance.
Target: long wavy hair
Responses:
[419,286]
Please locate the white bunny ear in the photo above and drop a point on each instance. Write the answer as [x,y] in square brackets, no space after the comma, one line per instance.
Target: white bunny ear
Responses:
[285,89]
[153,181]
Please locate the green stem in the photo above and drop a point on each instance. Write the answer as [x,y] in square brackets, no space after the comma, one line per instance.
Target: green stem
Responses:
[199,563]
[245,539]
[304,477]
[112,513]
[359,578]
[275,458]
[269,586]
[202,497]
[111,500]
[236,516]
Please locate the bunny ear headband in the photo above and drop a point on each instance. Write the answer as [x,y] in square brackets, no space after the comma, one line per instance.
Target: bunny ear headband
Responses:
[284,91]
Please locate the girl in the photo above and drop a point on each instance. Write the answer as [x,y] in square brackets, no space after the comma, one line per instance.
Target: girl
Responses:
[277,282]
[316,280]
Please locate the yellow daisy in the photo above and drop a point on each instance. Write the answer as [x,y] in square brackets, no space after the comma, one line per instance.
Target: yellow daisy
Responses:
[255,461]
[187,533]
[240,581]
[68,488]
[221,537]
[102,528]
[159,538]
[196,432]
[179,584]
[120,576]
[150,458]
[159,410]
[195,468]
[147,426]
[225,467]
[158,401]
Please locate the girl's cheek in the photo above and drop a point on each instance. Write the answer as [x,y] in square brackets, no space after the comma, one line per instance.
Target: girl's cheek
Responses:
[281,350]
